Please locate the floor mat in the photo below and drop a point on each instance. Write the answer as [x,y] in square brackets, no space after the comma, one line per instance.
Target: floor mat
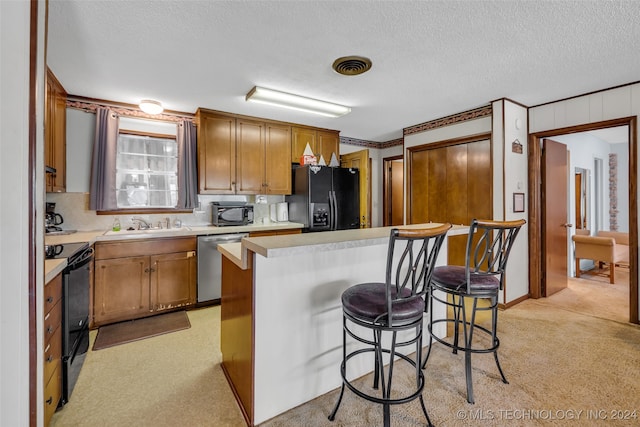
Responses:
[138,329]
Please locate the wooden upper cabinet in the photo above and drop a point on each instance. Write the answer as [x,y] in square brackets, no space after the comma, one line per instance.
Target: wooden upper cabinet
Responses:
[322,142]
[216,153]
[250,156]
[242,155]
[300,137]
[327,143]
[55,134]
[276,159]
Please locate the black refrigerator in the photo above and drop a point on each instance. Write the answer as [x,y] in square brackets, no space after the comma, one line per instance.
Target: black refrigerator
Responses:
[325,198]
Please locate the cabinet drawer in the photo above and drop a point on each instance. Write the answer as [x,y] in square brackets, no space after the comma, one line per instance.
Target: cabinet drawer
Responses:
[52,321]
[52,393]
[52,293]
[52,354]
[155,246]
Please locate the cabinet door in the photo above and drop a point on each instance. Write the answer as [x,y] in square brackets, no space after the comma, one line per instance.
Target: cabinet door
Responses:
[121,289]
[173,280]
[216,153]
[250,157]
[277,164]
[300,137]
[55,134]
[328,142]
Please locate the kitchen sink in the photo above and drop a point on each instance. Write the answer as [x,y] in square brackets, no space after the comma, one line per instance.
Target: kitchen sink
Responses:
[144,231]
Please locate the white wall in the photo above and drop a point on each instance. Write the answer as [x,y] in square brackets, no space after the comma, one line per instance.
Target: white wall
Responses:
[81,129]
[596,107]
[511,169]
[15,215]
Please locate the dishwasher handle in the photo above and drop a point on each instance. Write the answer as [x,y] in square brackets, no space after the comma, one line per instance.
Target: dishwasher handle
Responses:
[223,238]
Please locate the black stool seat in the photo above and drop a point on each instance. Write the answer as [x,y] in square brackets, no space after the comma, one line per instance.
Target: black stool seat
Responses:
[367,300]
[384,317]
[454,278]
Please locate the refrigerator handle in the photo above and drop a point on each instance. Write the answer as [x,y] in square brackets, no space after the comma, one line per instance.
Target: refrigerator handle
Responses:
[334,211]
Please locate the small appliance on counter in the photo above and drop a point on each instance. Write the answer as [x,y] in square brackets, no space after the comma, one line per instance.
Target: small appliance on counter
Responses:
[52,220]
[279,212]
[231,213]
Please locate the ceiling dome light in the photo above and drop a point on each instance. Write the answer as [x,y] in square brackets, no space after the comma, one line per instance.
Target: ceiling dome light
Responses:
[151,107]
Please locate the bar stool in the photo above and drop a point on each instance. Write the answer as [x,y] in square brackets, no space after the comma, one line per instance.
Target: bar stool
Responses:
[393,312]
[488,246]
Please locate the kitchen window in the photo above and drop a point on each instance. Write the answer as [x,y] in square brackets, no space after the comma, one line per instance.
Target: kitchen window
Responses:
[142,165]
[146,171]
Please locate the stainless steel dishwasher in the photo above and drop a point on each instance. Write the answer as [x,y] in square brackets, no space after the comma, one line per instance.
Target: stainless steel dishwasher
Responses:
[210,264]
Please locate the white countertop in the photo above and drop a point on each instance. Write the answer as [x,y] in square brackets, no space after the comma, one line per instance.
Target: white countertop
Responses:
[55,266]
[293,244]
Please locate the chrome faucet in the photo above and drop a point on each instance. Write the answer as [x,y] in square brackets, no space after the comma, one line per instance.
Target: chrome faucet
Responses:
[142,224]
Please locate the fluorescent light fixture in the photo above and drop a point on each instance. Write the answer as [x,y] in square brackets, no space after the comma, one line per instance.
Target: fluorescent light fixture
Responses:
[151,107]
[296,102]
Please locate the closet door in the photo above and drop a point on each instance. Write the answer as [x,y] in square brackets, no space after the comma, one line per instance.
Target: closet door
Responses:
[451,182]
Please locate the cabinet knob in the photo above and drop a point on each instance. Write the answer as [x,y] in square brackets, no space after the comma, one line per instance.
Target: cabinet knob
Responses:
[50,300]
[49,401]
[50,358]
[49,329]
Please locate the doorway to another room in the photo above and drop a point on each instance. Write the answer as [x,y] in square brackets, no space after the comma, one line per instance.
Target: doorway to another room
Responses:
[599,196]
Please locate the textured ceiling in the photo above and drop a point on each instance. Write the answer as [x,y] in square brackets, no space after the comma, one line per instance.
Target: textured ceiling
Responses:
[430,58]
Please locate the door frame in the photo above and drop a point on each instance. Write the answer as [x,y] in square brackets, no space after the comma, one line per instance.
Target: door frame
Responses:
[536,256]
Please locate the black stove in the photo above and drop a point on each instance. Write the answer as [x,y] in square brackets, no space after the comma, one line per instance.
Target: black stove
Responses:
[66,250]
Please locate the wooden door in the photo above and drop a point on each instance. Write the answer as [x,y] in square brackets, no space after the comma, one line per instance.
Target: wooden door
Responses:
[216,153]
[250,164]
[173,280]
[277,164]
[327,143]
[300,137]
[554,216]
[121,289]
[360,160]
[393,191]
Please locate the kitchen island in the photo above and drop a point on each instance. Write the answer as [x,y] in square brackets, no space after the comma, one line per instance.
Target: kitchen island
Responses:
[281,313]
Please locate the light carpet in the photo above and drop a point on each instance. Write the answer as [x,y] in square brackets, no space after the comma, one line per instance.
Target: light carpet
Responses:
[564,368]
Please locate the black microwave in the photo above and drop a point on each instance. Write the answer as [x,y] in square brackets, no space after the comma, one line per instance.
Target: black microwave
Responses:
[223,214]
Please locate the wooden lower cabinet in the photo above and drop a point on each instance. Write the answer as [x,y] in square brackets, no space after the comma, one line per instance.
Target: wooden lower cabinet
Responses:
[142,278]
[236,332]
[52,354]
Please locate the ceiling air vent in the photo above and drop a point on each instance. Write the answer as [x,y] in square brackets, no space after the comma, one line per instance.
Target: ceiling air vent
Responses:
[352,65]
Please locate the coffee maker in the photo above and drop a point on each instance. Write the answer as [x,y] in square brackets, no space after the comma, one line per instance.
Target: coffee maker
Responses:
[52,219]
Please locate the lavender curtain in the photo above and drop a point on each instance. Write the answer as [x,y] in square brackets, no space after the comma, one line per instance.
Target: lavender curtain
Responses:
[187,173]
[102,196]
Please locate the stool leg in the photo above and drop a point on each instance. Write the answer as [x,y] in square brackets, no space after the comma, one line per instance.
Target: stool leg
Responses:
[494,330]
[343,369]
[456,320]
[468,334]
[377,362]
